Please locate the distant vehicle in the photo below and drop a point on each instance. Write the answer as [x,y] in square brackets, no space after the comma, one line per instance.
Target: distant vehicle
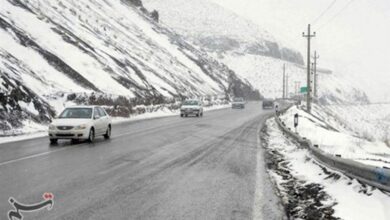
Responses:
[206,103]
[191,107]
[268,103]
[80,123]
[238,102]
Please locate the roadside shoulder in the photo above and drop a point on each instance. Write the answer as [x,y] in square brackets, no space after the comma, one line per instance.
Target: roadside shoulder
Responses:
[312,191]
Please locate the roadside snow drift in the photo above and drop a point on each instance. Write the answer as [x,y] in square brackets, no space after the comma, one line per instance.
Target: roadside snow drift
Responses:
[312,191]
[334,138]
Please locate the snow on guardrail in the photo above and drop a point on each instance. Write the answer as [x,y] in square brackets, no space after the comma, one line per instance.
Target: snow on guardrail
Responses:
[368,174]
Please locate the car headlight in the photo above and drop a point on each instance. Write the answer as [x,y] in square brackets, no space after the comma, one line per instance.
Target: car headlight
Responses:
[80,127]
[52,127]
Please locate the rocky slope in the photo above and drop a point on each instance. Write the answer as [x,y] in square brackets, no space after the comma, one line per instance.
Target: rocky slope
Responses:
[216,29]
[52,51]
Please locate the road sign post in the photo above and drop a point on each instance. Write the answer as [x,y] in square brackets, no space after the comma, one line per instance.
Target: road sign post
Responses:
[296,121]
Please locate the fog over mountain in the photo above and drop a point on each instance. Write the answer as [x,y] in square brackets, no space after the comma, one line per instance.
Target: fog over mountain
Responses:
[352,40]
[255,51]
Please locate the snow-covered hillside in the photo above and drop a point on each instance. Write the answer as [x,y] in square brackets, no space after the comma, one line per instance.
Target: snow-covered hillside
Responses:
[53,48]
[340,137]
[368,121]
[252,52]
[266,74]
[215,29]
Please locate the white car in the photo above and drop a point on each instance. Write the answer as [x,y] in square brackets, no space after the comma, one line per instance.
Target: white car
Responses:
[80,123]
[191,107]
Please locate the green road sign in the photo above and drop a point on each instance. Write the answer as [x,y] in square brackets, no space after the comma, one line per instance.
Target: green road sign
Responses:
[303,89]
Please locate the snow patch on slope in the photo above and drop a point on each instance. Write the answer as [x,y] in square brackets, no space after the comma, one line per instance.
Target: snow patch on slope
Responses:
[215,29]
[61,48]
[266,75]
[333,138]
[370,121]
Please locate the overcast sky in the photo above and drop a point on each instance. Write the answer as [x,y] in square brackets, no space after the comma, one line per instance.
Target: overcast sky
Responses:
[354,43]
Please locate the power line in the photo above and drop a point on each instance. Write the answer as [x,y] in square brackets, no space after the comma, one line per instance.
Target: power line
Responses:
[337,14]
[323,13]
[342,44]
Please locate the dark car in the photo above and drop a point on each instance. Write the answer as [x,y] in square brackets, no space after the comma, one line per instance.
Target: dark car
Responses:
[267,103]
[238,102]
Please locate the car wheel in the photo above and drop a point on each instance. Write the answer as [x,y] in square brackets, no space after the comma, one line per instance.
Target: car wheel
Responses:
[186,115]
[53,141]
[197,115]
[201,114]
[91,136]
[181,115]
[108,132]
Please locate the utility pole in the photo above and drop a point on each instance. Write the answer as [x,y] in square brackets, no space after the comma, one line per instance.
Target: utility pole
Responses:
[316,56]
[311,81]
[308,36]
[284,81]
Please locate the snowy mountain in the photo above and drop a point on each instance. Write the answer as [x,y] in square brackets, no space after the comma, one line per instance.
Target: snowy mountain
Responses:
[250,50]
[213,28]
[54,51]
[266,74]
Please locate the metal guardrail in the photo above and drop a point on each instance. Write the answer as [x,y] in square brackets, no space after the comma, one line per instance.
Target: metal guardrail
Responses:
[368,174]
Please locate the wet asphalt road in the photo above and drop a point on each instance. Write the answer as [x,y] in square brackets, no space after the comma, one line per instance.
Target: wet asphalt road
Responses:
[166,168]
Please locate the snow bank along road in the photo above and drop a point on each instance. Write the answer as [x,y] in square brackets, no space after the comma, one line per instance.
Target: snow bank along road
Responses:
[166,168]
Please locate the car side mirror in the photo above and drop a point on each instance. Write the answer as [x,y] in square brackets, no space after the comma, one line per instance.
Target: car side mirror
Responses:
[96,117]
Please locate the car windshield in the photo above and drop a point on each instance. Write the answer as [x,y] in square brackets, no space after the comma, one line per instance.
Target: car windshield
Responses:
[238,99]
[190,102]
[76,113]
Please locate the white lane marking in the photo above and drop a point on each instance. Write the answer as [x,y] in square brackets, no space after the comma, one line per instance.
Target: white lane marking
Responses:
[41,134]
[62,149]
[264,204]
[258,201]
[32,156]
[65,148]
[54,151]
